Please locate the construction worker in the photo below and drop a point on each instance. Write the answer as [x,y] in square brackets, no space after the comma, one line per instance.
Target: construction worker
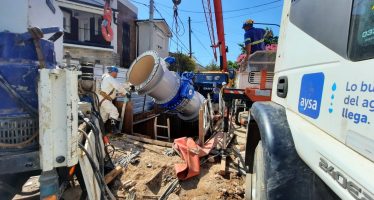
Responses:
[109,89]
[253,38]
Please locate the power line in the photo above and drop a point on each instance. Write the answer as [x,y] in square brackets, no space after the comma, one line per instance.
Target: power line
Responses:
[201,33]
[197,38]
[171,39]
[182,48]
[171,29]
[227,11]
[237,16]
[140,3]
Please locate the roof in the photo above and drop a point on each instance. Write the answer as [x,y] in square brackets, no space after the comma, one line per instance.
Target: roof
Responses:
[163,21]
[96,3]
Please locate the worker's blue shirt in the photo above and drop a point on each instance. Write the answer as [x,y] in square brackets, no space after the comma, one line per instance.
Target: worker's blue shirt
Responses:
[255,37]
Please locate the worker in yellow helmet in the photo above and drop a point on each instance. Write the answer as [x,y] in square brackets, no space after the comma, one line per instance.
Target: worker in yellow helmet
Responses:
[253,38]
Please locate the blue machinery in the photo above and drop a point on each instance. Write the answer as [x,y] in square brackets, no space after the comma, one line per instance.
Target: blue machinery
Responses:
[19,143]
[149,74]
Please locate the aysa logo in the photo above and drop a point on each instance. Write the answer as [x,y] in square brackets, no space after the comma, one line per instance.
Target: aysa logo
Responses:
[308,104]
[311,94]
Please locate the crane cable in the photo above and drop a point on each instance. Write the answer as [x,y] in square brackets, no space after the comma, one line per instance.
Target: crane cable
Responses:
[210,26]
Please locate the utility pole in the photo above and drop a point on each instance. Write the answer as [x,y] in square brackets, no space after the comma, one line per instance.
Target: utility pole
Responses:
[151,12]
[151,9]
[189,34]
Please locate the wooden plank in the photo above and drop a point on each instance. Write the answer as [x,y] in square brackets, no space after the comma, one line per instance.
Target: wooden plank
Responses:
[201,126]
[223,168]
[112,174]
[128,118]
[148,141]
[123,109]
[154,149]
[140,135]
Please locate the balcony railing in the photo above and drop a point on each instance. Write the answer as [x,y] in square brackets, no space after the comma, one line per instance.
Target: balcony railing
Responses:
[85,36]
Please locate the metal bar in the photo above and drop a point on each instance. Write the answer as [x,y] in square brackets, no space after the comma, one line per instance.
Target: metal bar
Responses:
[146,119]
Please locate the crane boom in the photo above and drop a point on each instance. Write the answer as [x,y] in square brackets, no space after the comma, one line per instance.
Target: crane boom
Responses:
[221,34]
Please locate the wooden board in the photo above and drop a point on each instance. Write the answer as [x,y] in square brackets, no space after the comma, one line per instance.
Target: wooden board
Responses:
[149,141]
[112,174]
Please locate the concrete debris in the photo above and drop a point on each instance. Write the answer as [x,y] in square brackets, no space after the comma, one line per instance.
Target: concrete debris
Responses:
[239,191]
[170,152]
[170,189]
[129,184]
[173,197]
[217,177]
[223,190]
[124,161]
[155,176]
[155,181]
[131,196]
[132,189]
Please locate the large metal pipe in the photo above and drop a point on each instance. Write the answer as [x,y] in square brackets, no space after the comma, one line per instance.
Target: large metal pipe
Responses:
[150,75]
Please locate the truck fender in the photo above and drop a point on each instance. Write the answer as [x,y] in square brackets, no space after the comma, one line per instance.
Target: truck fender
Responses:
[286,174]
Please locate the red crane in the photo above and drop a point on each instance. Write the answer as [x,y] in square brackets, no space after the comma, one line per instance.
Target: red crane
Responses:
[221,34]
[220,30]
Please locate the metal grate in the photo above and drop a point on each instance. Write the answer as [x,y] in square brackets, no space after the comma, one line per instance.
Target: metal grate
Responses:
[17,130]
[255,79]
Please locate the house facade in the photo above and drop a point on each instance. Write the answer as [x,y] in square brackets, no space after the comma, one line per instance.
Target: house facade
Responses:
[126,32]
[153,36]
[82,30]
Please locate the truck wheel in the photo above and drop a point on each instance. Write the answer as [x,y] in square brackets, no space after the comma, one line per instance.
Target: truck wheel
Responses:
[255,183]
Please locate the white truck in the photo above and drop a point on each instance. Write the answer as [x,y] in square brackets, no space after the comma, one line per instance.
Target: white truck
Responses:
[315,138]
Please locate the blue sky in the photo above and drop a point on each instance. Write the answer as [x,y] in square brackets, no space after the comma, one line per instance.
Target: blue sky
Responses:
[235,12]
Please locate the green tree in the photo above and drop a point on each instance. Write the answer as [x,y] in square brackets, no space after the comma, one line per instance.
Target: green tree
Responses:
[212,66]
[231,64]
[182,63]
[242,48]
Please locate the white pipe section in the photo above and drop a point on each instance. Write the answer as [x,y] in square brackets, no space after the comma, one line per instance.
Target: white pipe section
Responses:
[149,74]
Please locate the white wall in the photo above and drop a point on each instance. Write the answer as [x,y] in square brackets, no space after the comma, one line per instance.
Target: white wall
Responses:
[160,39]
[143,37]
[18,15]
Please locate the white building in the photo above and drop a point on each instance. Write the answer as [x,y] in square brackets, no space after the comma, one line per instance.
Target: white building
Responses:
[18,15]
[158,41]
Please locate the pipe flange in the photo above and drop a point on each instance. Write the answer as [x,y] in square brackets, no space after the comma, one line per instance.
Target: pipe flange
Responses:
[183,104]
[190,118]
[153,73]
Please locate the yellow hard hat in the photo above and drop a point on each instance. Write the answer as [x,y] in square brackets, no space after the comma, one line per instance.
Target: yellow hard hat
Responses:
[248,22]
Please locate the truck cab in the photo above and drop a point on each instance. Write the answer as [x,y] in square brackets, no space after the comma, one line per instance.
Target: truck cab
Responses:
[204,81]
[315,140]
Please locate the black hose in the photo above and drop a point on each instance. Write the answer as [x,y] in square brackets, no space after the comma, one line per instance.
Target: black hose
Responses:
[98,176]
[99,153]
[96,109]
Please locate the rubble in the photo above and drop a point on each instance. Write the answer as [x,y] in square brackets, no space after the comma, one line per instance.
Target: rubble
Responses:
[155,177]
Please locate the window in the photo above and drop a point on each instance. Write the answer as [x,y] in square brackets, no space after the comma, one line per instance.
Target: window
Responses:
[67,20]
[210,77]
[361,38]
[327,21]
[86,32]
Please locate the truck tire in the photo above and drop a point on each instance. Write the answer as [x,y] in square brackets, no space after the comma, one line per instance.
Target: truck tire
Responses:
[255,183]
[285,175]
